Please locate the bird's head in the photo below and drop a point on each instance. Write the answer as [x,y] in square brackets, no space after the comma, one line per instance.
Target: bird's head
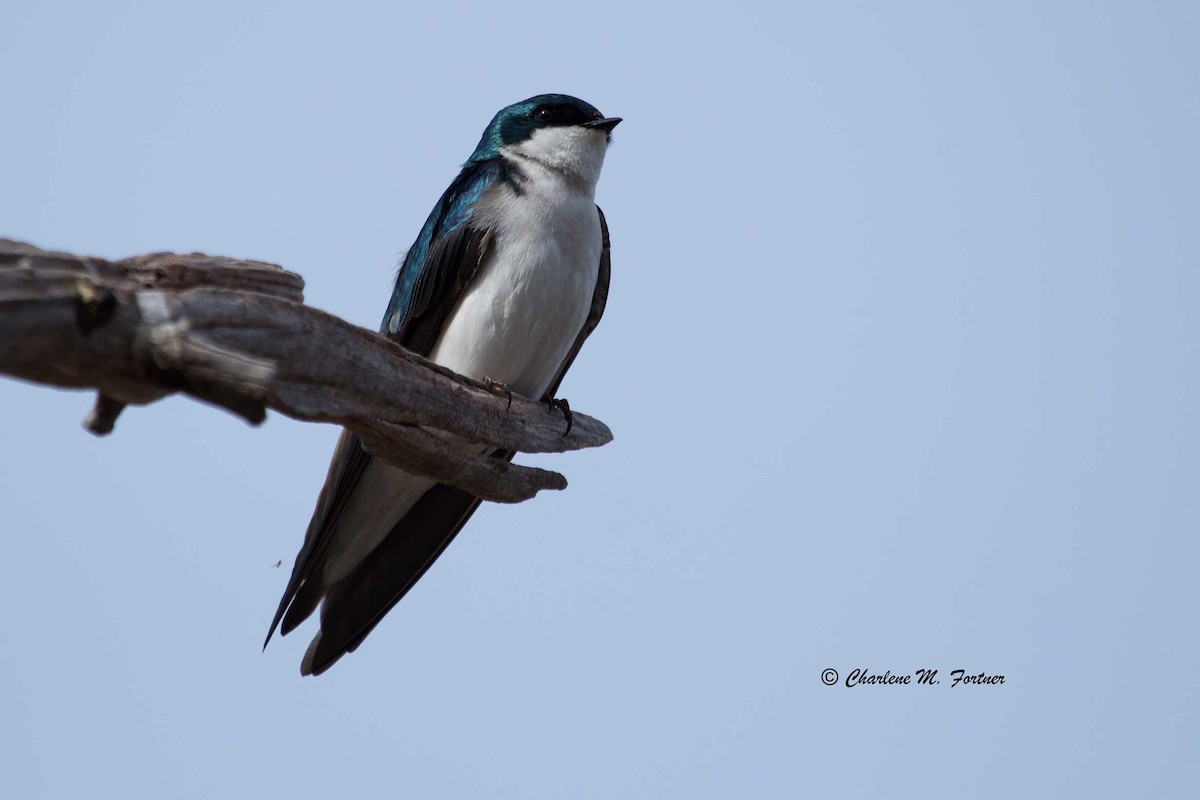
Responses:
[556,130]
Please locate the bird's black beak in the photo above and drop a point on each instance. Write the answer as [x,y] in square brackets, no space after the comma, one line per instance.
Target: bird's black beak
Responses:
[606,124]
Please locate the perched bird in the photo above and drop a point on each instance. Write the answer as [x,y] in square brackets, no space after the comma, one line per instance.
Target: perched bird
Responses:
[506,280]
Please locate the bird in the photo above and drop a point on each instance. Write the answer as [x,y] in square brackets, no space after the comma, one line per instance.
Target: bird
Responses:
[506,280]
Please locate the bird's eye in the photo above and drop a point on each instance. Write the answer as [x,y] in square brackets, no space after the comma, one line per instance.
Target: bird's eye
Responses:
[544,114]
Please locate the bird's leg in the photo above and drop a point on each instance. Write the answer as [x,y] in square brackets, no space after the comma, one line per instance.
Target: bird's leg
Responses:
[499,388]
[561,404]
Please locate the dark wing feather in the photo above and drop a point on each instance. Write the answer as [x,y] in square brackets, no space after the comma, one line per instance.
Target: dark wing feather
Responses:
[303,594]
[453,267]
[355,605]
[433,277]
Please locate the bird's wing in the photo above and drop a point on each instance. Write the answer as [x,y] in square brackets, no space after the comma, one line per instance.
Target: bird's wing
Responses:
[431,280]
[356,604]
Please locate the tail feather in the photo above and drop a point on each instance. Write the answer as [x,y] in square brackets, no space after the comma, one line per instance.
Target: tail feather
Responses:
[356,604]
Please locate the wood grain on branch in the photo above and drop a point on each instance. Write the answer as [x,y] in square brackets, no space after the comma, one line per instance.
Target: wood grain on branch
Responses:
[236,334]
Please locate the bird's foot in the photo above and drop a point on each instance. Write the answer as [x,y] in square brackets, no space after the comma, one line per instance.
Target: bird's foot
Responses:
[499,388]
[562,405]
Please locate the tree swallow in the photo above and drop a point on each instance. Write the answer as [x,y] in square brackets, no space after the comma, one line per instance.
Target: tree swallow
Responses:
[506,280]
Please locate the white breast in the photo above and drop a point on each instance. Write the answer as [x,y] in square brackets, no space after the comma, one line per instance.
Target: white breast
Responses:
[531,297]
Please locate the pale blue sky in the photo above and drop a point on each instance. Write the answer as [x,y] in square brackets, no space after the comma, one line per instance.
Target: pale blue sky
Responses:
[901,359]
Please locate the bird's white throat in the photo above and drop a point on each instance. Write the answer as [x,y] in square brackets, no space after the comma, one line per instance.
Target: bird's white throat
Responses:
[577,152]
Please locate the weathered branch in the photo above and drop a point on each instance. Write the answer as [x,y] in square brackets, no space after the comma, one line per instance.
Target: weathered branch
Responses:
[236,334]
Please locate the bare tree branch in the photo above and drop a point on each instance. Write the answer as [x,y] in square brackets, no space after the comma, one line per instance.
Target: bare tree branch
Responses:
[236,334]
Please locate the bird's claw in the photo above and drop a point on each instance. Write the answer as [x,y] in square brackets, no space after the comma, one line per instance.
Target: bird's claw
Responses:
[562,405]
[499,388]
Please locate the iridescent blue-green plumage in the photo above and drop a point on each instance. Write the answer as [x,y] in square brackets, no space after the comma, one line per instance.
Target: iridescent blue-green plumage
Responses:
[515,123]
[453,210]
